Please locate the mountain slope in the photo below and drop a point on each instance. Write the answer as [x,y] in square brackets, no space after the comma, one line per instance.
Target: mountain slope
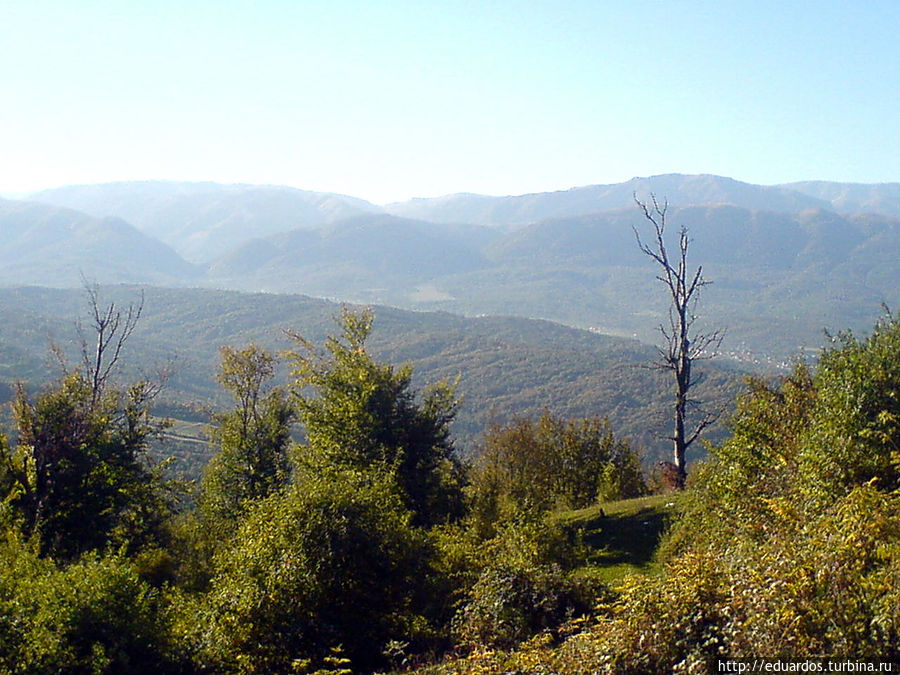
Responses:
[348,257]
[506,366]
[42,244]
[677,188]
[203,220]
[883,198]
[779,278]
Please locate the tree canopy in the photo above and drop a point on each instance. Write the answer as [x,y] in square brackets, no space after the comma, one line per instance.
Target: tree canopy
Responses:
[361,414]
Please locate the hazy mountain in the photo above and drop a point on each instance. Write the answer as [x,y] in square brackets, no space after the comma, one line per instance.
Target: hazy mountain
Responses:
[42,244]
[779,277]
[203,220]
[677,188]
[784,264]
[354,255]
[724,234]
[881,198]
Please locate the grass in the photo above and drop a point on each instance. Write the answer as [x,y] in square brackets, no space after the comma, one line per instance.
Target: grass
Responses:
[622,535]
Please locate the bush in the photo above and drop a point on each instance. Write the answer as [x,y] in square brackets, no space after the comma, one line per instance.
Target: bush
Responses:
[333,562]
[93,616]
[551,463]
[517,584]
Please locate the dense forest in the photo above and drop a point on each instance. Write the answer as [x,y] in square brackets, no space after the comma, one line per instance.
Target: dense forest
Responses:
[506,367]
[371,544]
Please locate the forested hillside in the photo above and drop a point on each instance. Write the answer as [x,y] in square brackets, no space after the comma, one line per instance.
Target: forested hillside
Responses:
[369,546]
[506,366]
[54,246]
[786,261]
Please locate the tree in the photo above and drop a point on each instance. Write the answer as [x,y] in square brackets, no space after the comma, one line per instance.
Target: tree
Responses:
[362,414]
[683,344]
[78,478]
[330,562]
[111,328]
[538,466]
[95,615]
[253,438]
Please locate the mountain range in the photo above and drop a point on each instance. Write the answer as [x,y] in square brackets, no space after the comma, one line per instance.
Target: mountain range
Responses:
[786,261]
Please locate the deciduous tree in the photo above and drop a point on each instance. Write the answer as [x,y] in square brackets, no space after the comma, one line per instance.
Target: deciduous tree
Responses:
[362,414]
[79,476]
[253,437]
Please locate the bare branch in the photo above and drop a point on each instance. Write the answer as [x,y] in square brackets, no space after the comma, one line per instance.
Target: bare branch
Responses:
[681,346]
[112,328]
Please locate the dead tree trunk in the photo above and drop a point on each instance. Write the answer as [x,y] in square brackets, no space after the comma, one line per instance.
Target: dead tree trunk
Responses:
[682,344]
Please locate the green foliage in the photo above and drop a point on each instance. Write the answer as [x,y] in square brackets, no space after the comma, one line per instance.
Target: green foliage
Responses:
[95,616]
[830,590]
[755,472]
[523,584]
[253,438]
[360,414]
[77,478]
[789,540]
[333,561]
[855,436]
[552,463]
[788,543]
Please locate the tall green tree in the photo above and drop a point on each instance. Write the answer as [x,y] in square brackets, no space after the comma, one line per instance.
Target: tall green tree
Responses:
[253,438]
[362,414]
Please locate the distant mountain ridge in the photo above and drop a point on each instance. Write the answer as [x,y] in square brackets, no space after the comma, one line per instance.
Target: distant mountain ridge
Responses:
[204,220]
[677,188]
[883,198]
[374,251]
[786,261]
[56,246]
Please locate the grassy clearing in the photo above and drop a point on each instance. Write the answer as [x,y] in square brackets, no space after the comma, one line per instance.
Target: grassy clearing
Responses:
[622,535]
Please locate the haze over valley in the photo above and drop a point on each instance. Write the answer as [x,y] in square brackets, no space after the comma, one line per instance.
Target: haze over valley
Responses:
[787,261]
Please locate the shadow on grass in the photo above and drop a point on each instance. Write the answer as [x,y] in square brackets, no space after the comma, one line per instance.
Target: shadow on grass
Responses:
[626,538]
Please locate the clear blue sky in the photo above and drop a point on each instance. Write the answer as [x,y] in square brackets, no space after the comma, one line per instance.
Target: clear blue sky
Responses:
[391,100]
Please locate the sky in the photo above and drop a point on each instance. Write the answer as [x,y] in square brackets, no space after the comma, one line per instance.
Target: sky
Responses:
[393,100]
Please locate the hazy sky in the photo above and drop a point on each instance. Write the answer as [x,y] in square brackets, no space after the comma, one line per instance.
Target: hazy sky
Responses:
[391,100]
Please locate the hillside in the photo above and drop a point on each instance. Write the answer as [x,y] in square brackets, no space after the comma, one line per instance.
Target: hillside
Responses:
[42,244]
[679,189]
[779,278]
[883,198]
[506,366]
[786,261]
[352,255]
[203,220]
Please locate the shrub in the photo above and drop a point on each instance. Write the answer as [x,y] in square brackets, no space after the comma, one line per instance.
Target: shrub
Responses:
[333,562]
[551,463]
[93,616]
[520,583]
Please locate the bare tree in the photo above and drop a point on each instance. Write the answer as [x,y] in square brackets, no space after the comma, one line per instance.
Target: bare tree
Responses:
[112,328]
[682,343]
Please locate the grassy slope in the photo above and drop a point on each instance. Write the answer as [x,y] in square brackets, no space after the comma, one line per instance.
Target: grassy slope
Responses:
[622,535]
